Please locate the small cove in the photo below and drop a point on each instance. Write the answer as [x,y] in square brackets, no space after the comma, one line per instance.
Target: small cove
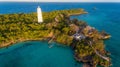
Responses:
[37,54]
[106,17]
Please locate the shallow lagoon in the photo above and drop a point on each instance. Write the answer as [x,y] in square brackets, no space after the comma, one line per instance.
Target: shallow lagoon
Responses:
[106,17]
[37,54]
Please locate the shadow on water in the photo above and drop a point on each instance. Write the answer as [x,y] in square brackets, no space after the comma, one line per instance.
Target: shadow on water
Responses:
[24,45]
[37,54]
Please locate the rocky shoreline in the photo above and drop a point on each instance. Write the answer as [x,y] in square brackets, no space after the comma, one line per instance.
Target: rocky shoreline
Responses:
[86,42]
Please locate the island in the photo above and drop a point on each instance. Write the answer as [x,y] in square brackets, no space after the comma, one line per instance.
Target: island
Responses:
[86,41]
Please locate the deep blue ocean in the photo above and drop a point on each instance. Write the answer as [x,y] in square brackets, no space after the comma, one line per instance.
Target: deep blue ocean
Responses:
[38,54]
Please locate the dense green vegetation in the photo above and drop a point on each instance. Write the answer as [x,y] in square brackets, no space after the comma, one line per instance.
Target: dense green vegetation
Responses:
[20,27]
[57,27]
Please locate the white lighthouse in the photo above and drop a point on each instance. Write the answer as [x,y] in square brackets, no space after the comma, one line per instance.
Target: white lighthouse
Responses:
[39,15]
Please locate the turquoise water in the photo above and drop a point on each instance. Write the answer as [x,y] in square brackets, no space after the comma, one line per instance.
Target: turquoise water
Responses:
[105,17]
[37,54]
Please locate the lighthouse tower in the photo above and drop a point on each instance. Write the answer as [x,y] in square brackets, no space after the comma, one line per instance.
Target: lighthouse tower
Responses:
[39,15]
